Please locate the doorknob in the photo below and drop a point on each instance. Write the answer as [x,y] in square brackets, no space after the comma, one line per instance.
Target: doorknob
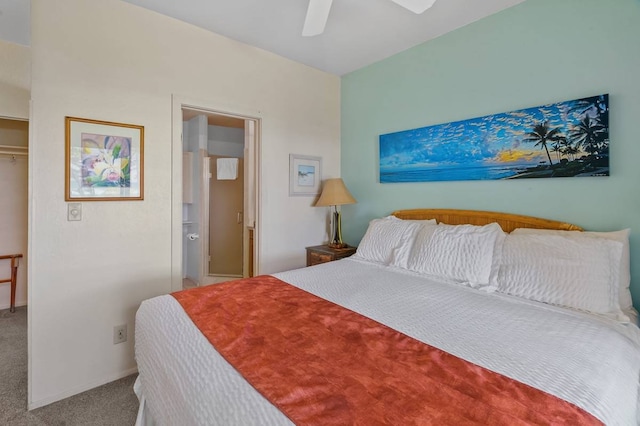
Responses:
[239,217]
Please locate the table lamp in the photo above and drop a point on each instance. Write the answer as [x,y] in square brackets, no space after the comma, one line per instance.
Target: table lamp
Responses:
[335,193]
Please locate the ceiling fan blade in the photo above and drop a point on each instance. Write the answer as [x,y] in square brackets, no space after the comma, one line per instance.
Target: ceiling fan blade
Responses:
[317,15]
[416,6]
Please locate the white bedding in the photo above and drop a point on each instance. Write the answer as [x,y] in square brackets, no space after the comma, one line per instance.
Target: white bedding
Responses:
[590,361]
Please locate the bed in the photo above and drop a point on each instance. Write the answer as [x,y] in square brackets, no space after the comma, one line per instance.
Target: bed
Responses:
[453,287]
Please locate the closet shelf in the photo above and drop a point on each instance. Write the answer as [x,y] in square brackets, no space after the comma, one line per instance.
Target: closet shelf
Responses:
[13,150]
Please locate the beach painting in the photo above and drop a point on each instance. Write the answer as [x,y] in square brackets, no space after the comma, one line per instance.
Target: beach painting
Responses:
[306,175]
[564,139]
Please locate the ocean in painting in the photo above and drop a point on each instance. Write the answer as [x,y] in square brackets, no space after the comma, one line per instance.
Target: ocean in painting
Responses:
[564,139]
[306,175]
[453,173]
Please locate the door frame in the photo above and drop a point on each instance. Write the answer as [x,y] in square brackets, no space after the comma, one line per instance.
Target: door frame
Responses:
[207,107]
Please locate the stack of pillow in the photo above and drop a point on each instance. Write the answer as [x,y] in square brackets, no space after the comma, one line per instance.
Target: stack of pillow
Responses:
[587,271]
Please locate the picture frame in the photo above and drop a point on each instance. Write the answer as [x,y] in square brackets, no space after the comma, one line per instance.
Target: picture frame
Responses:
[559,140]
[305,175]
[104,161]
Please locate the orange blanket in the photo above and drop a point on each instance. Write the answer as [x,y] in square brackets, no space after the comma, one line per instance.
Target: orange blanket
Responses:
[322,364]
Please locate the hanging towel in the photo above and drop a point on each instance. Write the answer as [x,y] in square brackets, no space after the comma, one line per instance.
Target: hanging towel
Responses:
[227,168]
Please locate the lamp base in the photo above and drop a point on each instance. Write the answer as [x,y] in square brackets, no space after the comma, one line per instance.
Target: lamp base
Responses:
[336,231]
[338,245]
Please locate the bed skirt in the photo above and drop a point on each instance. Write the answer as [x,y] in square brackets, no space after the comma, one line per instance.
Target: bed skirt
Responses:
[144,417]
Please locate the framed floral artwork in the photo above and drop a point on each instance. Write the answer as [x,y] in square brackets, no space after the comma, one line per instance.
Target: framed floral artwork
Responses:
[104,161]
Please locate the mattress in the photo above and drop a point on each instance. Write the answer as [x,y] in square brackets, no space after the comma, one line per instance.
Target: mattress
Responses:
[590,361]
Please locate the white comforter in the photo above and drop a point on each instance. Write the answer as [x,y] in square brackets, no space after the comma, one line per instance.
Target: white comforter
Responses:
[589,361]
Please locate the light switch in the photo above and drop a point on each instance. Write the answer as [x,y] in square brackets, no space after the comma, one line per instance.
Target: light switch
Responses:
[74,211]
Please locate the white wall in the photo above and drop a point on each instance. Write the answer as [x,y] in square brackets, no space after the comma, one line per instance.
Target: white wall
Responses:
[109,60]
[15,79]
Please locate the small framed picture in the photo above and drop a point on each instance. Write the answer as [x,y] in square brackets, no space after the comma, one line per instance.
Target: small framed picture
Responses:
[305,175]
[104,161]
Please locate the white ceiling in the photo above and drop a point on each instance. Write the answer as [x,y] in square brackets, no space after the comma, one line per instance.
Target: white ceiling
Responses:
[358,33]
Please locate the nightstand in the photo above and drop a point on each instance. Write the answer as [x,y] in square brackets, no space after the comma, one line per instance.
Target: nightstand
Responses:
[321,254]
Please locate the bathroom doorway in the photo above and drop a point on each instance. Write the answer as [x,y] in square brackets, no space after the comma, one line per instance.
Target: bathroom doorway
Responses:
[219,196]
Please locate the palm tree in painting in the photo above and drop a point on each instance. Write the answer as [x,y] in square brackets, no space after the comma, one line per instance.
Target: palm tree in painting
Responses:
[589,134]
[557,148]
[570,151]
[542,135]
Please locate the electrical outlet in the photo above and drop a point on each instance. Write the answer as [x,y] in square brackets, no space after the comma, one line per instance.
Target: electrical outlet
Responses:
[119,334]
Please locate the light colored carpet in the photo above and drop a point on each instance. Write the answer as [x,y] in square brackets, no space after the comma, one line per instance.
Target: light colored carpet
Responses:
[111,404]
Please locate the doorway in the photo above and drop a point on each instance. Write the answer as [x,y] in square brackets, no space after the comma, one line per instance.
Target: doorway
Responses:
[219,201]
[14,140]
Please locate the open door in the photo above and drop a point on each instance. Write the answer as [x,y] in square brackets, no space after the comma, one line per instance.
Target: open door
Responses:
[195,170]
[226,221]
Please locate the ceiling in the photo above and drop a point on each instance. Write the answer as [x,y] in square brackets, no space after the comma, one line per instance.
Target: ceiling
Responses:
[14,21]
[358,32]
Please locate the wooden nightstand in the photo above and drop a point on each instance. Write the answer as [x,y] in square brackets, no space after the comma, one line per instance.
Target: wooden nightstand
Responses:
[321,254]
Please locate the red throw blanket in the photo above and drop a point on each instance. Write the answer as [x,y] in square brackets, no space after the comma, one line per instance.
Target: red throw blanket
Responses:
[322,364]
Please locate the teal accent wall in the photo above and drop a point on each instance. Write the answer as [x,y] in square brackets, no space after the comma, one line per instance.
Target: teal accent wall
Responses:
[538,52]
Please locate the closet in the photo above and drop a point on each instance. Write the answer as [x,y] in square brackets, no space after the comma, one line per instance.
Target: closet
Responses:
[14,139]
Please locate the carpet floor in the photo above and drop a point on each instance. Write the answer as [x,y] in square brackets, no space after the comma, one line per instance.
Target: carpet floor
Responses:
[112,404]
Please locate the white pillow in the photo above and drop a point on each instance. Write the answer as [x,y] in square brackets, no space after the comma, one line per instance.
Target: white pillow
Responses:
[463,253]
[574,271]
[388,240]
[626,304]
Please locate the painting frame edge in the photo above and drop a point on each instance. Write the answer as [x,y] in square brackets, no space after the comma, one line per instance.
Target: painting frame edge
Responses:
[562,125]
[69,197]
[294,190]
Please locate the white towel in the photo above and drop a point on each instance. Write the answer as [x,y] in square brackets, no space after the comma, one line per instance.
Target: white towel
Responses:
[227,168]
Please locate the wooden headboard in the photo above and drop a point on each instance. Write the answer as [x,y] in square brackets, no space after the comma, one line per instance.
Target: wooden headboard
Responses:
[507,221]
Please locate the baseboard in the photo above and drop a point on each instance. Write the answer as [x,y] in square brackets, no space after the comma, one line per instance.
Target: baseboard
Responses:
[8,305]
[194,280]
[79,389]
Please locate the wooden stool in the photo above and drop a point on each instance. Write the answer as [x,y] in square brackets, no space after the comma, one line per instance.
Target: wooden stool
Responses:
[14,275]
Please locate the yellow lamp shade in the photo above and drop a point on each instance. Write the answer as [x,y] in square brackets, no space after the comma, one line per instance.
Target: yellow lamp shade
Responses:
[335,193]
